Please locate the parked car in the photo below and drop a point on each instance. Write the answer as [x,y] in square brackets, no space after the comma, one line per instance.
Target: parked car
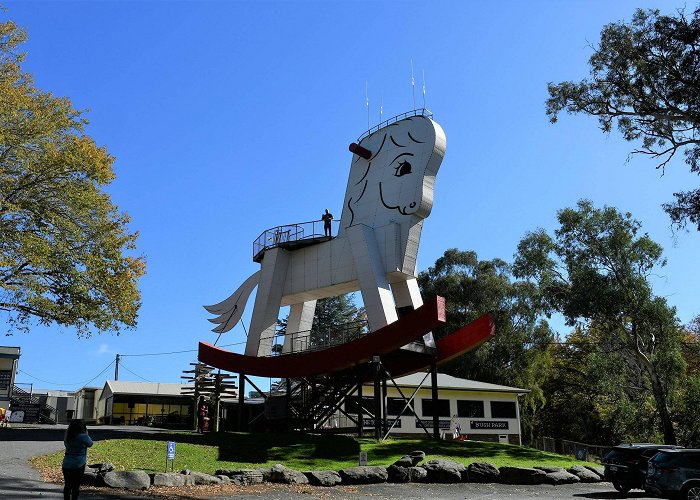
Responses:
[674,472]
[626,464]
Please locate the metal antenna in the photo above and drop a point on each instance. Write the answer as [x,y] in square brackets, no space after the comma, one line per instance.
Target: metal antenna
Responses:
[424,106]
[413,86]
[367,103]
[381,108]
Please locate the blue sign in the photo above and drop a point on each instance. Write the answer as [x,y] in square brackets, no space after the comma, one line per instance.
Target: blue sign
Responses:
[171,451]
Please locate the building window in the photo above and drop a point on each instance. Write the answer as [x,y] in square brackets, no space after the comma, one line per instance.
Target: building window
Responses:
[503,409]
[467,408]
[351,405]
[443,407]
[395,405]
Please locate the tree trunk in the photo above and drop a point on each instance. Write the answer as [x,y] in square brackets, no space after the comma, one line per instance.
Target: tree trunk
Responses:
[661,406]
[658,391]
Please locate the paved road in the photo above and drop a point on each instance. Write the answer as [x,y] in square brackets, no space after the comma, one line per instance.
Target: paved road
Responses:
[451,492]
[20,481]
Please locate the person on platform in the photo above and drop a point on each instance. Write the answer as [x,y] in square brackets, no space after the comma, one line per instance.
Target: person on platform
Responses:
[202,411]
[327,218]
[76,442]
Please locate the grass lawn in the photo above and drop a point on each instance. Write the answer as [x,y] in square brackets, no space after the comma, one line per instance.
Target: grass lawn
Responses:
[209,452]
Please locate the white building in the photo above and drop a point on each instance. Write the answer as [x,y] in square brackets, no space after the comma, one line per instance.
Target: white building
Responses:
[484,412]
[9,357]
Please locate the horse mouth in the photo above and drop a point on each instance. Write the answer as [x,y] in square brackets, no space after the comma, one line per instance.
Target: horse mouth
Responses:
[402,210]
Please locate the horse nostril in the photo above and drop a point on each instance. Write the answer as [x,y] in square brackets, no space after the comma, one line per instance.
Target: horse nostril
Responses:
[360,151]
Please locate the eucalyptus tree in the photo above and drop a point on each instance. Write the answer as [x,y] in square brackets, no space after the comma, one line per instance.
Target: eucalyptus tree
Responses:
[645,79]
[595,269]
[519,355]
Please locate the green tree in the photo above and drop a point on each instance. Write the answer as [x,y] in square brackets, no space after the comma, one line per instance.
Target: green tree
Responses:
[519,355]
[337,320]
[575,400]
[595,270]
[63,244]
[645,79]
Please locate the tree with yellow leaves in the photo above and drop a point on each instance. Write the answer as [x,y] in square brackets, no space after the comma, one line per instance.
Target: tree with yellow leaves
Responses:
[66,253]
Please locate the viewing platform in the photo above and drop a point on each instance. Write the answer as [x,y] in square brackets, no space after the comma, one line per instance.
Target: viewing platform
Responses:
[292,237]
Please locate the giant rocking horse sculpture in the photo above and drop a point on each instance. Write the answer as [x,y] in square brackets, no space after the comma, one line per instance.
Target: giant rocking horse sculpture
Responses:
[389,194]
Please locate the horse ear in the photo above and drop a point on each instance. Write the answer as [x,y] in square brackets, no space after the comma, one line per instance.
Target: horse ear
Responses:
[360,151]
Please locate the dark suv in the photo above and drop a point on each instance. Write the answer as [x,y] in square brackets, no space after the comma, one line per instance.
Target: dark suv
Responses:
[626,464]
[671,472]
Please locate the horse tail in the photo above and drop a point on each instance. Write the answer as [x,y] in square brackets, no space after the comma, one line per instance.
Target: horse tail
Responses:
[230,310]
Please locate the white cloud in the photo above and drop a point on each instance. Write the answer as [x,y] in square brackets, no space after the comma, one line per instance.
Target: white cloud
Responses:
[103,349]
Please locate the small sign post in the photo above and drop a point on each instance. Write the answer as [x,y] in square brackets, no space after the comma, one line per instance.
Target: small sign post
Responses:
[170,455]
[363,458]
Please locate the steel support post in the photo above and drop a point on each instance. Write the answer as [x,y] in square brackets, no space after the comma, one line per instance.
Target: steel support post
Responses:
[434,391]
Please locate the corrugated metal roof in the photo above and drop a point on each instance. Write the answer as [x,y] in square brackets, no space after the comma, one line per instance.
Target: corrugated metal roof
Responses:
[147,388]
[449,382]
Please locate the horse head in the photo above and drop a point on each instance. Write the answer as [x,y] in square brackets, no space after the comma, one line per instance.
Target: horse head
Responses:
[393,181]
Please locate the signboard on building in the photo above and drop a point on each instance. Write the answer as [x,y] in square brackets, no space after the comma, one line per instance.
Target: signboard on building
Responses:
[30,411]
[488,424]
[428,423]
[5,379]
[369,422]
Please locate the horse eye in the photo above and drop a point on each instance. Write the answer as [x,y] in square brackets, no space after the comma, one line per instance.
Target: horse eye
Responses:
[403,169]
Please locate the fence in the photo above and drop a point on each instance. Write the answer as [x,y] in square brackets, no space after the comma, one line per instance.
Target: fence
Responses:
[582,451]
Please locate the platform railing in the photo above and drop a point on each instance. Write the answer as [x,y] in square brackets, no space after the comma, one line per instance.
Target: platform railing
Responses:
[415,112]
[281,235]
[312,340]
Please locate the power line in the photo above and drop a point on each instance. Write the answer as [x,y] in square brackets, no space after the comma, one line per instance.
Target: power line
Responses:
[24,372]
[174,352]
[158,353]
[136,374]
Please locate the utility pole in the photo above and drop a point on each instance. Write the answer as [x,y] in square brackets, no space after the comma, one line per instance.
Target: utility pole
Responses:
[116,368]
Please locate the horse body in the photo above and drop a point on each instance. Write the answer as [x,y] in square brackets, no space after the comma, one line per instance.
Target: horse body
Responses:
[387,197]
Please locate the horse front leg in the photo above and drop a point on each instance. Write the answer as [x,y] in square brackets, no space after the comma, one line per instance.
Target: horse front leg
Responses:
[371,275]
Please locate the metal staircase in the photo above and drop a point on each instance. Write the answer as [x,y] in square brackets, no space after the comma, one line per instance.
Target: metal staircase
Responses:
[22,399]
[311,402]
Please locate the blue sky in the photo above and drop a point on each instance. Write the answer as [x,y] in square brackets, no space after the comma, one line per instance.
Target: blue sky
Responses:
[227,118]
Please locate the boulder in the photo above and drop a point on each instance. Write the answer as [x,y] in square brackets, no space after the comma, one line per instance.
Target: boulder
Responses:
[561,477]
[241,477]
[482,472]
[168,479]
[398,473]
[266,473]
[418,474]
[550,468]
[444,471]
[364,474]
[521,475]
[411,460]
[203,478]
[91,477]
[323,477]
[281,474]
[585,475]
[131,480]
[404,462]
[596,470]
[102,467]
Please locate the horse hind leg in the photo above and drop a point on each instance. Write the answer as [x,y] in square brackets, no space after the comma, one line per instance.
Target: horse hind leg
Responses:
[299,323]
[263,325]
